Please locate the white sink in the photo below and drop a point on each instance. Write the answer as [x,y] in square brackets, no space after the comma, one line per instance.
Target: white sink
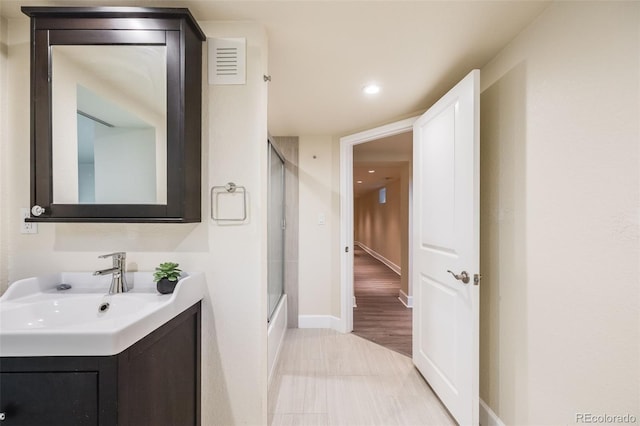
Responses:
[36,319]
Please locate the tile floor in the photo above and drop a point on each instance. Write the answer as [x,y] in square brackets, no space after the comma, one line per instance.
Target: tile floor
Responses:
[325,378]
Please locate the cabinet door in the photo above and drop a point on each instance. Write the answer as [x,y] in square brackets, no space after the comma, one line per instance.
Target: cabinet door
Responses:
[108,145]
[159,377]
[49,399]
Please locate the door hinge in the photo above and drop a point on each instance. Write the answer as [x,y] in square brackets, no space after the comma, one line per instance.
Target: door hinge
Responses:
[476,279]
[346,249]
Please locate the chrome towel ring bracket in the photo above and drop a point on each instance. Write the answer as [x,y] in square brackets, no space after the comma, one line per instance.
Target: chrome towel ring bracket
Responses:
[218,194]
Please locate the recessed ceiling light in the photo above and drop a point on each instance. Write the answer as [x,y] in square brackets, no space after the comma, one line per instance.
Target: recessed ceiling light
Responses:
[372,171]
[359,181]
[371,89]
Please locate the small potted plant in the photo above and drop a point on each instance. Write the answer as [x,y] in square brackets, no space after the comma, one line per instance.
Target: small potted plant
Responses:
[166,276]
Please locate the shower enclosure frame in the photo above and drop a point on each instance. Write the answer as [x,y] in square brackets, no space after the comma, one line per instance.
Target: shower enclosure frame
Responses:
[276,229]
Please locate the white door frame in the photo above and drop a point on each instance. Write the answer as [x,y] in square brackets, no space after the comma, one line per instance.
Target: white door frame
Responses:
[346,211]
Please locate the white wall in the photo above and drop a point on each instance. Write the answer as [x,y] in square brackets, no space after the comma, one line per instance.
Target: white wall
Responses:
[234,348]
[118,149]
[560,311]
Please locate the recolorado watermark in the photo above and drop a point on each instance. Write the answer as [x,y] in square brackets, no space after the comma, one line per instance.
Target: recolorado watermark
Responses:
[606,418]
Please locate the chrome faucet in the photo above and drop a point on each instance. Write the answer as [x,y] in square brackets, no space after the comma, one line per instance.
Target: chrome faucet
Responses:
[118,280]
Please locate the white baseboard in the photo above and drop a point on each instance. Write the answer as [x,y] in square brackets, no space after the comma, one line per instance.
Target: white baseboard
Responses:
[406,300]
[318,321]
[488,417]
[395,268]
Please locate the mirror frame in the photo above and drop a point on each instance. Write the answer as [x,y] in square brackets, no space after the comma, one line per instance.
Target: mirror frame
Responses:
[174,28]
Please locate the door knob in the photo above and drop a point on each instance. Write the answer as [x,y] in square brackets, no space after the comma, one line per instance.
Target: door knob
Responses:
[37,210]
[464,276]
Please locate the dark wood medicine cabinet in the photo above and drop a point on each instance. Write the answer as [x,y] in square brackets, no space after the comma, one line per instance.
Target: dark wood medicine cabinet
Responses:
[115,139]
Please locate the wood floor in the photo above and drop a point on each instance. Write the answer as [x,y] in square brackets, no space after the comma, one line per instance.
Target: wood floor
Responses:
[380,316]
[325,378]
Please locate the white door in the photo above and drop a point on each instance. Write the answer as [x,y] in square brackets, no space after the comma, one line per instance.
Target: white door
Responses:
[446,229]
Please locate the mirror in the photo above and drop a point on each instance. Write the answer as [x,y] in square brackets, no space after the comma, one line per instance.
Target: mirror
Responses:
[109,121]
[116,114]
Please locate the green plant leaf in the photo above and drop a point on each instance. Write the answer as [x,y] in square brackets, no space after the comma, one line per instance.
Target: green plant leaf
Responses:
[167,270]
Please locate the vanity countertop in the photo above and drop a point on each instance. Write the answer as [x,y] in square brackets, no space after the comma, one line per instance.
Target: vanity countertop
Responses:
[37,319]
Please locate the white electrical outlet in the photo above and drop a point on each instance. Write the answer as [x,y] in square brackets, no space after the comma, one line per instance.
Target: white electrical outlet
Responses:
[322,219]
[27,227]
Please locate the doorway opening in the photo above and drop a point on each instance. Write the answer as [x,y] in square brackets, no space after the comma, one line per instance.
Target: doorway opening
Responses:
[347,145]
[381,184]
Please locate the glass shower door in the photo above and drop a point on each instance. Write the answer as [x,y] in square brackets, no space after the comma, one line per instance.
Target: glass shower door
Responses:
[275,231]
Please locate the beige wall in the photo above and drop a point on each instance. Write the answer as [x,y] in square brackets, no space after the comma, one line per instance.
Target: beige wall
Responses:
[560,194]
[233,257]
[406,179]
[319,261]
[383,228]
[378,226]
[4,177]
[503,300]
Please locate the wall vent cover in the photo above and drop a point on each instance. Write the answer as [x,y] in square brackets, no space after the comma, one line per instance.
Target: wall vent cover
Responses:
[227,60]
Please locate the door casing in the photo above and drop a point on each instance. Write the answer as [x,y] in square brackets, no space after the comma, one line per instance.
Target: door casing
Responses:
[346,211]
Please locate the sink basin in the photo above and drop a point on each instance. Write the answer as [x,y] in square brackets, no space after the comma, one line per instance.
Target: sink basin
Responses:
[36,319]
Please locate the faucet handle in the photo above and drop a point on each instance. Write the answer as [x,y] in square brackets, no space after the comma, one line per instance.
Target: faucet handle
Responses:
[117,255]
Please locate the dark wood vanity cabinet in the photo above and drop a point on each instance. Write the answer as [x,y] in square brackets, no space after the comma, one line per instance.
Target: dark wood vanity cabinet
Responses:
[36,398]
[155,382]
[153,172]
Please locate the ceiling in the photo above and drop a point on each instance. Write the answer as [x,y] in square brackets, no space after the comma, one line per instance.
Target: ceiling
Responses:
[384,173]
[387,157]
[321,53]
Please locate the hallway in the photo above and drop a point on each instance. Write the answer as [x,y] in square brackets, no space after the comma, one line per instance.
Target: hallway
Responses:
[380,316]
[325,378]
